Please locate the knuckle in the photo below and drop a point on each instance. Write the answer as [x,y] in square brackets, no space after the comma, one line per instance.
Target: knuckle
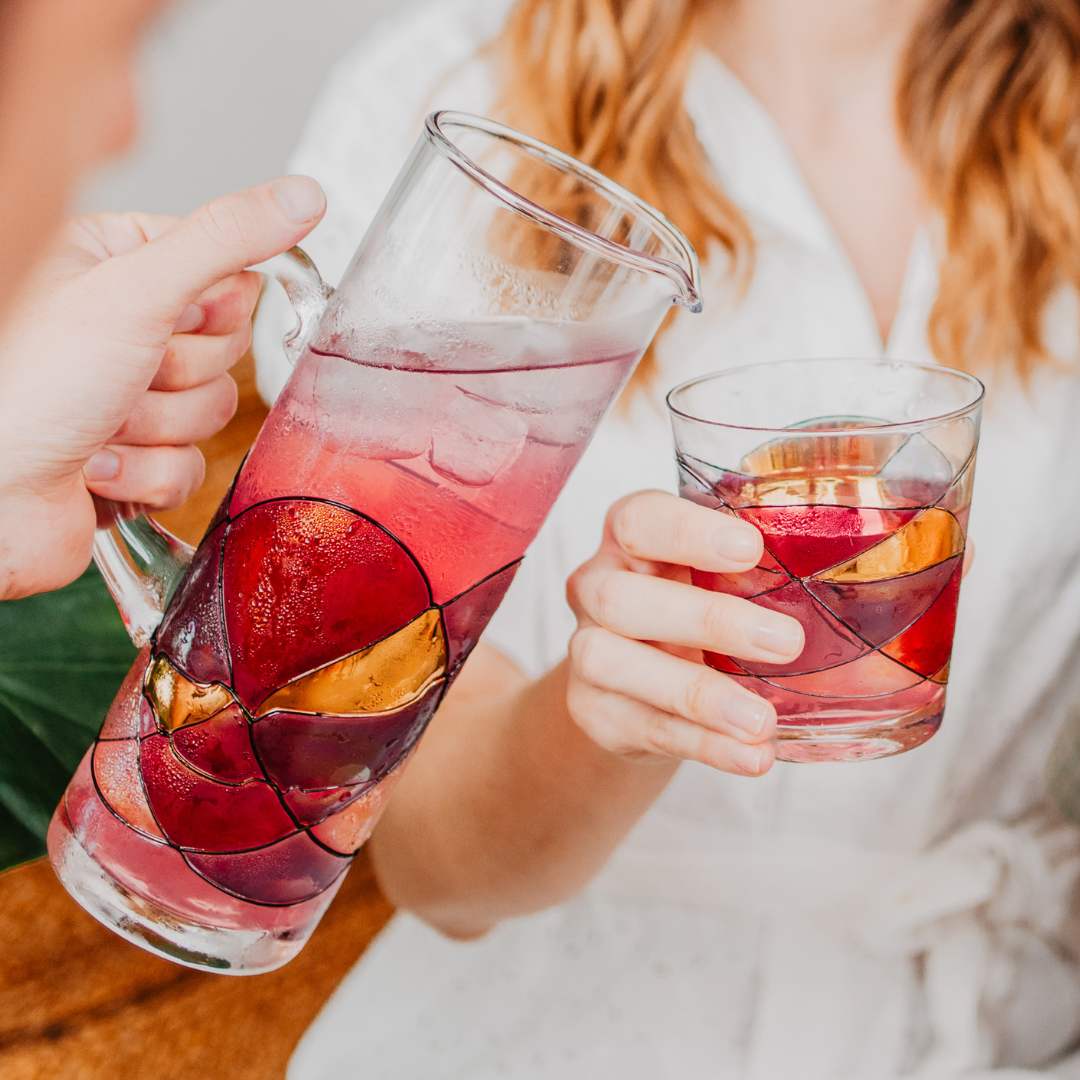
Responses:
[685,533]
[240,342]
[226,397]
[626,521]
[175,371]
[661,734]
[151,420]
[180,473]
[576,701]
[587,649]
[697,696]
[605,599]
[717,622]
[574,589]
[581,704]
[228,221]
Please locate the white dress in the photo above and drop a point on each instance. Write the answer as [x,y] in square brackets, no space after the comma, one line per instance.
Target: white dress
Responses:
[908,916]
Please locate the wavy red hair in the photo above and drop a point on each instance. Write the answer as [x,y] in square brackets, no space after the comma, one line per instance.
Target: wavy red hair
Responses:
[988,104]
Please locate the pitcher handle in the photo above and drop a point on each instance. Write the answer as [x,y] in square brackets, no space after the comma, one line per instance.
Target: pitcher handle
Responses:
[142,563]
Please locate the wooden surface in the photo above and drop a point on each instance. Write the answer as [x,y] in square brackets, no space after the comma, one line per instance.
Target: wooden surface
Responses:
[79,1003]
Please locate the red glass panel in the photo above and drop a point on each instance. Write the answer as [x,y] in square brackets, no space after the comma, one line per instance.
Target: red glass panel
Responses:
[809,539]
[723,663]
[196,812]
[192,633]
[307,583]
[466,616]
[797,708]
[927,645]
[311,807]
[347,831]
[122,721]
[220,747]
[158,873]
[748,584]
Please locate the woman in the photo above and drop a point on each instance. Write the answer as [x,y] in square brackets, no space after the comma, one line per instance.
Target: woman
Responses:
[909,915]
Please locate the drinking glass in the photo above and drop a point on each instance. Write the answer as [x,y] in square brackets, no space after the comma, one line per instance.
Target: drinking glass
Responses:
[858,474]
[443,393]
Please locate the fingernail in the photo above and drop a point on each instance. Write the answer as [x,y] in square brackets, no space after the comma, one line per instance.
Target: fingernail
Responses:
[299,197]
[777,634]
[746,713]
[104,465]
[739,544]
[192,319]
[747,758]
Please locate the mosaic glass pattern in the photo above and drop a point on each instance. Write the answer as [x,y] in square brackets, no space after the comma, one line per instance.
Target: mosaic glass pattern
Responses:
[868,557]
[252,747]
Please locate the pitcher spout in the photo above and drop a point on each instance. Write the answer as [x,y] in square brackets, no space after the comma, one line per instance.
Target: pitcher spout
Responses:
[687,282]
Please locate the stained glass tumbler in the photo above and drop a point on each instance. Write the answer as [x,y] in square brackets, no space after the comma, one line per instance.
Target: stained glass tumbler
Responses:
[442,395]
[858,473]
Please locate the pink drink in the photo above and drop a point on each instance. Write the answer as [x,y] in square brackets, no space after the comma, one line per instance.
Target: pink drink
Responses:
[368,539]
[875,588]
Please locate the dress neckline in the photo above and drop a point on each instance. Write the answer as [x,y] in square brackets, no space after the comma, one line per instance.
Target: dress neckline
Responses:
[759,172]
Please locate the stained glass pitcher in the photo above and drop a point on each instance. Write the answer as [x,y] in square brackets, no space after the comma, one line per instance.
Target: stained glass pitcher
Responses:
[441,396]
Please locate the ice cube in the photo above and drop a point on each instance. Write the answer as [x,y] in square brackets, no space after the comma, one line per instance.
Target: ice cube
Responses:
[475,439]
[375,412]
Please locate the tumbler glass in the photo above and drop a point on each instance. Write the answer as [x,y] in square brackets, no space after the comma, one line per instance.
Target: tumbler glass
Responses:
[858,473]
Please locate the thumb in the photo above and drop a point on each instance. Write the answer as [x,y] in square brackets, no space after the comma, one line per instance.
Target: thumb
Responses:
[219,239]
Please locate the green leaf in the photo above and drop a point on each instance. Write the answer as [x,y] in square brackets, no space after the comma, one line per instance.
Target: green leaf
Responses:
[31,778]
[17,843]
[63,656]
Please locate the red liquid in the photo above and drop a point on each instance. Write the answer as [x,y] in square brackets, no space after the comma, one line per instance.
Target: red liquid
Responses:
[369,538]
[875,589]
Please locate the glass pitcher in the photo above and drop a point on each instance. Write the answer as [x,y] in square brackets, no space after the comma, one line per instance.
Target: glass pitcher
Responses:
[441,396]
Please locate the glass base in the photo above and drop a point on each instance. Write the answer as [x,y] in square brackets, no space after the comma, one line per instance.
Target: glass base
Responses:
[861,741]
[163,932]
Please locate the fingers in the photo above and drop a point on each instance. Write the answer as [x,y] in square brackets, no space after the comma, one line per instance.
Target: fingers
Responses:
[192,359]
[670,684]
[159,477]
[657,609]
[213,333]
[227,306]
[622,725]
[178,417]
[220,239]
[658,527]
[969,558]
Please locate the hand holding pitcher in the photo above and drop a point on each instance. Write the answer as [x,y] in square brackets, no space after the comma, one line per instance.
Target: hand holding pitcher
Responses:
[115,364]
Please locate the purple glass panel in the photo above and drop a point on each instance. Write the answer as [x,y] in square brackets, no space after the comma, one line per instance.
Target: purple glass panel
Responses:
[288,872]
[302,750]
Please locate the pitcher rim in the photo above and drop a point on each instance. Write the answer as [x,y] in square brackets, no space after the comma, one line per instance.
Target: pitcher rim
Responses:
[688,282]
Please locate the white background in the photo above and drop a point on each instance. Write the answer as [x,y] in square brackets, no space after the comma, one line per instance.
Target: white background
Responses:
[225,88]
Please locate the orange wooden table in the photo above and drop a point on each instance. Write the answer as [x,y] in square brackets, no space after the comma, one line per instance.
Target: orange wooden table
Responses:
[80,1003]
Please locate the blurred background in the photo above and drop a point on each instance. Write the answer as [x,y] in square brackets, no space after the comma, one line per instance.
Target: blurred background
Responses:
[226,86]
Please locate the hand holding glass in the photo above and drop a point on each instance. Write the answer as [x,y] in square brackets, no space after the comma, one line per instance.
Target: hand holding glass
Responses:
[858,473]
